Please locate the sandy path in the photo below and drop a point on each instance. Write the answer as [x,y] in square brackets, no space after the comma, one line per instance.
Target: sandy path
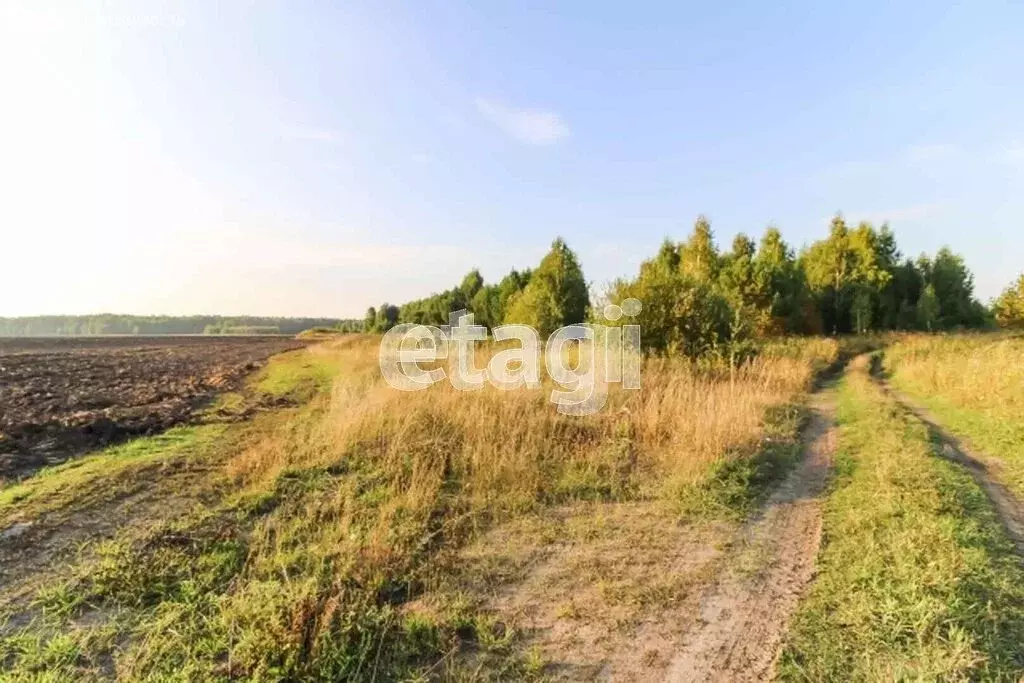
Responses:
[743,616]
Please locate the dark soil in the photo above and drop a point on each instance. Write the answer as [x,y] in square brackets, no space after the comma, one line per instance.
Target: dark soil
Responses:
[60,397]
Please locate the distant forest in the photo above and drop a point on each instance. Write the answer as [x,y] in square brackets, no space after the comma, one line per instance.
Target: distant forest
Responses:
[108,323]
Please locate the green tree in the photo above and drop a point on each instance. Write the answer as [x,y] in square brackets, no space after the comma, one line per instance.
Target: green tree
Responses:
[737,271]
[370,320]
[848,272]
[471,284]
[511,285]
[874,259]
[899,299]
[781,280]
[861,310]
[829,265]
[698,255]
[954,288]
[890,297]
[748,295]
[680,316]
[668,257]
[556,294]
[486,307]
[387,317]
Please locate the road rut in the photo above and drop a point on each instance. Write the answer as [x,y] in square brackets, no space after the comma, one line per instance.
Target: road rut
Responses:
[744,616]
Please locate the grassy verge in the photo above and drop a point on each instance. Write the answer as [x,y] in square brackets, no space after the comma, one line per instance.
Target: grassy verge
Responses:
[974,385]
[735,485]
[110,473]
[120,470]
[299,375]
[917,580]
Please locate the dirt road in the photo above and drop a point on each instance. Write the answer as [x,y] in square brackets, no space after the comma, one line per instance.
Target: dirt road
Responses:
[641,597]
[743,617]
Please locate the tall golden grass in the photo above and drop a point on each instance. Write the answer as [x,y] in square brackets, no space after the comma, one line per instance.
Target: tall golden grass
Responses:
[970,370]
[511,449]
[374,485]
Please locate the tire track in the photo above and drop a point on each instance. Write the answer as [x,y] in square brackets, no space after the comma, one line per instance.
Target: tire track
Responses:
[743,619]
[980,466]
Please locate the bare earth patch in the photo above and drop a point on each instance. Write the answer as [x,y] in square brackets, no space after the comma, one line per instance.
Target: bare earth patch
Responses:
[599,591]
[61,397]
[43,532]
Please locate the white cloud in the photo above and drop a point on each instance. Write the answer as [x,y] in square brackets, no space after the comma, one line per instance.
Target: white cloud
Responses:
[311,134]
[530,126]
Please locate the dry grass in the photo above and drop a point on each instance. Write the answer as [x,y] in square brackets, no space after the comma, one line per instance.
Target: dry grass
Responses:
[974,370]
[511,448]
[425,470]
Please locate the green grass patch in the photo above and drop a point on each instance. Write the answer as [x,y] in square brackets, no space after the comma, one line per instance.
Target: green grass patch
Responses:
[735,485]
[299,581]
[992,432]
[917,580]
[298,375]
[107,473]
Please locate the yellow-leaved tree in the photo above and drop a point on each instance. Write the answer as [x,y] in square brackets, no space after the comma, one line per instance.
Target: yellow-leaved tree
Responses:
[1009,307]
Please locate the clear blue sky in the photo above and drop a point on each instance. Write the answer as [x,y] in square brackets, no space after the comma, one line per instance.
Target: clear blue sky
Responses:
[318,157]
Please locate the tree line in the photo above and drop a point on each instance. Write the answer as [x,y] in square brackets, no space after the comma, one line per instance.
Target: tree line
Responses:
[699,300]
[108,323]
[547,297]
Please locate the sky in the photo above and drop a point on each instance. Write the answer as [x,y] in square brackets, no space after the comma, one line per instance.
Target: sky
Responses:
[316,158]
